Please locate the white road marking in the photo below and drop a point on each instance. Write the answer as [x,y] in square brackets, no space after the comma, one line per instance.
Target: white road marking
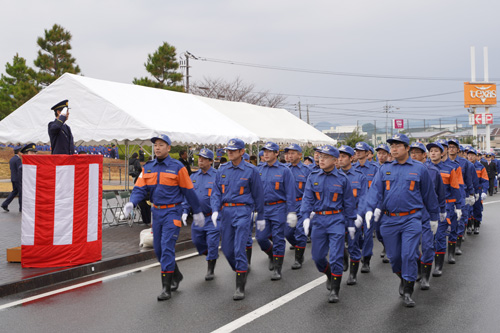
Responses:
[487,203]
[83,284]
[270,306]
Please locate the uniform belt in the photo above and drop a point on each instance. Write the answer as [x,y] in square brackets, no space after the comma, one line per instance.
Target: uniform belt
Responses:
[207,214]
[328,212]
[413,211]
[298,199]
[166,206]
[274,203]
[229,204]
[451,200]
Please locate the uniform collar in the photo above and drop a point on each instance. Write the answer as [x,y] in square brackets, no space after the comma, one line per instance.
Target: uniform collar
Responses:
[334,172]
[275,164]
[165,161]
[408,161]
[239,166]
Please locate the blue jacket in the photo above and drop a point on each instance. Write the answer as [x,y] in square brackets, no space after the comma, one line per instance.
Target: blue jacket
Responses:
[278,184]
[300,172]
[203,186]
[359,186]
[438,187]
[369,169]
[15,164]
[61,139]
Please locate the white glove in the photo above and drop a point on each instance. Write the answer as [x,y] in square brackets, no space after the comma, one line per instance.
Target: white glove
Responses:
[477,195]
[368,218]
[254,217]
[442,216]
[352,231]
[127,209]
[291,219]
[376,215]
[199,219]
[64,112]
[184,218]
[483,196]
[472,199]
[459,213]
[261,224]
[215,215]
[358,222]
[306,224]
[311,215]
[434,227]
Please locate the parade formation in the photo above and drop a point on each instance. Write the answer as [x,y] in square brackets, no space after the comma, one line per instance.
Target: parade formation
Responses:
[420,201]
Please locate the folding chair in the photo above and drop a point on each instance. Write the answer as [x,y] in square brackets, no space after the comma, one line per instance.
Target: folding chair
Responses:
[112,206]
[125,197]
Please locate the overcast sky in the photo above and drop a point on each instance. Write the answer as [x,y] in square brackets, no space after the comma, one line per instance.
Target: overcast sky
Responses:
[416,39]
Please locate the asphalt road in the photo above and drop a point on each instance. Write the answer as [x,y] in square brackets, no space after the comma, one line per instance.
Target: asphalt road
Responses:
[466,298]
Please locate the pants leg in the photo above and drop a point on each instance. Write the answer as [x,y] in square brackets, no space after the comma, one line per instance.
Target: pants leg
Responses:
[262,237]
[391,232]
[12,195]
[454,228]
[410,237]
[213,239]
[427,244]
[336,244]
[353,246]
[367,249]
[319,245]
[166,224]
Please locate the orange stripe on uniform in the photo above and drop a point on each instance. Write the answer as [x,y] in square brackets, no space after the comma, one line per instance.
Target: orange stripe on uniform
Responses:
[277,186]
[456,179]
[387,185]
[184,180]
[335,196]
[355,192]
[318,196]
[300,185]
[209,192]
[223,188]
[168,179]
[446,178]
[412,185]
[460,176]
[369,183]
[147,179]
[484,174]
[242,190]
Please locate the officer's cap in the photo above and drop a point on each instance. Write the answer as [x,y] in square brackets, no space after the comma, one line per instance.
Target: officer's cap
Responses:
[399,138]
[246,157]
[347,150]
[318,148]
[383,146]
[28,147]
[261,153]
[489,154]
[462,148]
[330,150]
[235,144]
[293,146]
[310,158]
[271,146]
[362,146]
[472,151]
[371,149]
[60,105]
[162,137]
[207,153]
[443,142]
[435,144]
[418,145]
[454,141]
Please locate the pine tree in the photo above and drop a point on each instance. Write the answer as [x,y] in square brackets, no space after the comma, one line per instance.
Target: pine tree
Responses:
[18,86]
[54,58]
[162,65]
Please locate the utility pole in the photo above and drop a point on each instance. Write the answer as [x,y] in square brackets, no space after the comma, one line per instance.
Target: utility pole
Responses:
[300,112]
[188,55]
[375,133]
[388,108]
[307,109]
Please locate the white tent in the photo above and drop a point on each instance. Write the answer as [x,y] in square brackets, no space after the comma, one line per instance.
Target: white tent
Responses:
[103,111]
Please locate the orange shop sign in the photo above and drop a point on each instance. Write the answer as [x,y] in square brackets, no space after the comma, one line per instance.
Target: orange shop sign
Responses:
[479,94]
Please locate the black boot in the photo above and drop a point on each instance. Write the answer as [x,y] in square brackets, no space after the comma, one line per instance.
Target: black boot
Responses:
[438,265]
[426,276]
[451,252]
[299,258]
[210,270]
[241,280]
[469,226]
[271,259]
[248,251]
[382,254]
[385,260]
[408,291]
[346,260]
[353,272]
[334,292]
[366,265]
[458,249]
[476,227]
[419,270]
[177,278]
[328,274]
[401,284]
[166,281]
[278,263]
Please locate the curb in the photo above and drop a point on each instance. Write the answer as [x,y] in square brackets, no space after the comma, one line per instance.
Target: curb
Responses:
[67,274]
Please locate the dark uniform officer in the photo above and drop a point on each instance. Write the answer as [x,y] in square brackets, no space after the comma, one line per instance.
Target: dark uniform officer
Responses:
[15,164]
[60,135]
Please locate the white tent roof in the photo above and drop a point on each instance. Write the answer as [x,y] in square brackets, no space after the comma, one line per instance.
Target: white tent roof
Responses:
[103,111]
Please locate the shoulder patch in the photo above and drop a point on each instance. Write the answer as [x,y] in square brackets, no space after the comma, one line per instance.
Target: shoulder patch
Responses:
[388,173]
[223,176]
[316,183]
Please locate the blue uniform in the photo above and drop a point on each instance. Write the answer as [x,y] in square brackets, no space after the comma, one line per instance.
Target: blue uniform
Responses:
[206,238]
[329,195]
[402,191]
[279,199]
[296,236]
[359,186]
[237,191]
[15,164]
[167,184]
[483,186]
[61,139]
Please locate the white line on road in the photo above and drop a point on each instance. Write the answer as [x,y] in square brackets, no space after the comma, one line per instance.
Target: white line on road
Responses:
[487,203]
[270,306]
[83,284]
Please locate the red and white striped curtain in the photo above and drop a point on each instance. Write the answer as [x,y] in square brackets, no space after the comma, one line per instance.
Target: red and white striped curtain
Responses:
[62,205]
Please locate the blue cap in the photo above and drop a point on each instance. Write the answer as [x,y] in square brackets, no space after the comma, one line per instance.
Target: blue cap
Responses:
[235,144]
[318,148]
[329,150]
[261,153]
[293,146]
[472,151]
[443,142]
[489,154]
[207,153]
[418,145]
[361,146]
[246,157]
[271,146]
[310,158]
[163,137]
[383,146]
[347,150]
[399,138]
[462,148]
[371,149]
[435,144]
[454,141]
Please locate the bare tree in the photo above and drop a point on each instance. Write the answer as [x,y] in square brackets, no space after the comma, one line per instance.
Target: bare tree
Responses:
[236,91]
